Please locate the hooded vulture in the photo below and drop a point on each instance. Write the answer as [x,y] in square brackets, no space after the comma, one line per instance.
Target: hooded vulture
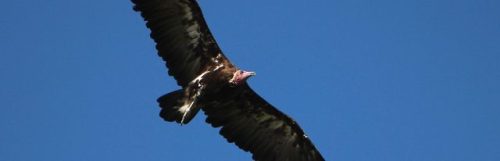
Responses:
[212,83]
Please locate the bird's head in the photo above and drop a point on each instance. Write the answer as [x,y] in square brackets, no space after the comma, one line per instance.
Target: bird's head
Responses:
[240,76]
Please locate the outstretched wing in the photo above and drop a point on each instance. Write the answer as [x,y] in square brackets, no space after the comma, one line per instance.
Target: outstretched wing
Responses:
[182,37]
[256,126]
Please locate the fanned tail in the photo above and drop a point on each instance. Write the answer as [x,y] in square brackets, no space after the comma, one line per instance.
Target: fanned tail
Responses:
[176,107]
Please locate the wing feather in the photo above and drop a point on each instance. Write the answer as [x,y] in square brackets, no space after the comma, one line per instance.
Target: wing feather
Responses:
[256,126]
[182,37]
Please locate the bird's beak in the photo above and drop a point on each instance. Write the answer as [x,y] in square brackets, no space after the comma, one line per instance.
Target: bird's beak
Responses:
[247,75]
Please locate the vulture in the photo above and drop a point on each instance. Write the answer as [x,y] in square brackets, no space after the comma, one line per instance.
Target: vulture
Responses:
[212,83]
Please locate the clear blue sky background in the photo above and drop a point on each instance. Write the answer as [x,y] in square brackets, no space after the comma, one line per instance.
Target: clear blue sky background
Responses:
[367,80]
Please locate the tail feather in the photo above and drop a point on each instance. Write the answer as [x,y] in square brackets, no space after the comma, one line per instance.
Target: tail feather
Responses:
[176,107]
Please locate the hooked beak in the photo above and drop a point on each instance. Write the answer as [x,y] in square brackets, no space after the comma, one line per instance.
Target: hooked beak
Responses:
[247,75]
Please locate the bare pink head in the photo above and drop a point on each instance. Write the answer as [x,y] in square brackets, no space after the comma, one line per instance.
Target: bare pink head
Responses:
[240,76]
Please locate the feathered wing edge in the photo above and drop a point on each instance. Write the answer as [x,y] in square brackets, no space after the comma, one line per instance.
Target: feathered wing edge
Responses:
[256,126]
[182,36]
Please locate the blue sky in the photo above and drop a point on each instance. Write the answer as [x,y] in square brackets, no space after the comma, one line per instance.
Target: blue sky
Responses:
[367,80]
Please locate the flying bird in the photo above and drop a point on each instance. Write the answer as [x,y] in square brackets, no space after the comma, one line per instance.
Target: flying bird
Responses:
[212,83]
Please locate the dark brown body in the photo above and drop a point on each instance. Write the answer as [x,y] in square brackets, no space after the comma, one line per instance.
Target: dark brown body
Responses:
[211,83]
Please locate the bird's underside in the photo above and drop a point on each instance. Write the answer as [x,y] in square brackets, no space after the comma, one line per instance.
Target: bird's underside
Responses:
[212,83]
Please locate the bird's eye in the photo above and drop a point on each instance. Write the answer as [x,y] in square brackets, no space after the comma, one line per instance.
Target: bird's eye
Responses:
[241,71]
